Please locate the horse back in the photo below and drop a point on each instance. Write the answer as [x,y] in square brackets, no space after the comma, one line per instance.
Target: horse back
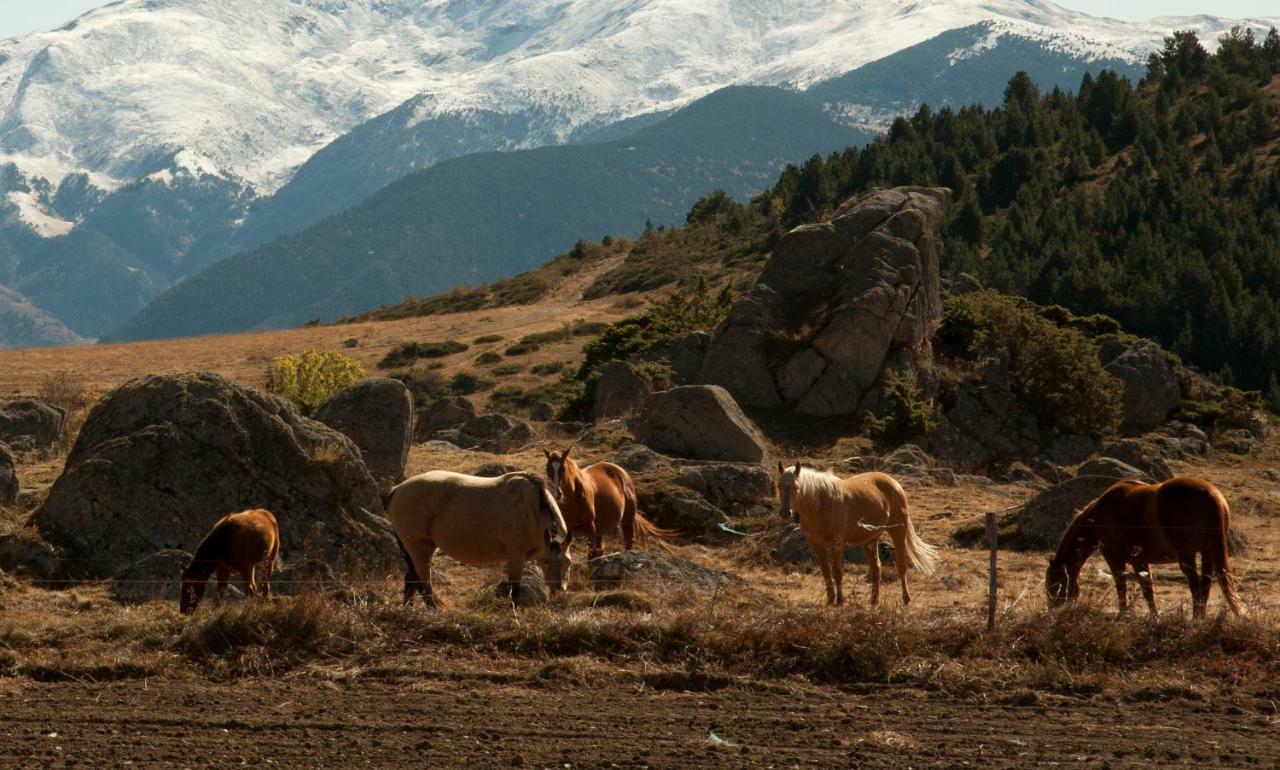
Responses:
[247,536]
[613,490]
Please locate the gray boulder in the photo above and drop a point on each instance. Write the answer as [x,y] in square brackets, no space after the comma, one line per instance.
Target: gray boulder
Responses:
[1042,520]
[154,577]
[30,423]
[1132,452]
[24,553]
[657,570]
[619,391]
[443,414]
[1237,441]
[1151,390]
[496,433]
[637,458]
[376,414]
[683,353]
[683,511]
[1111,468]
[964,283]
[543,411]
[739,488]
[493,470]
[699,422]
[866,282]
[984,426]
[9,484]
[161,458]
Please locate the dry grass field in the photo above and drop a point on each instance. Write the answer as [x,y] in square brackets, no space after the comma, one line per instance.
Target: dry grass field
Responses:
[759,674]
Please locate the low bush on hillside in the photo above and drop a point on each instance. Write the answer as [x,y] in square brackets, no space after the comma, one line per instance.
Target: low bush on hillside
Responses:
[1054,369]
[485,339]
[488,357]
[407,353]
[906,414]
[311,378]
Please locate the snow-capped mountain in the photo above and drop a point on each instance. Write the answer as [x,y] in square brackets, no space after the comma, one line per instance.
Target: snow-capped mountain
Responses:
[159,130]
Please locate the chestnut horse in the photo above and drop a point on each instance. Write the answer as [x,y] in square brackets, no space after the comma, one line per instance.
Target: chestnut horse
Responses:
[505,520]
[239,541]
[596,499]
[835,512]
[1139,524]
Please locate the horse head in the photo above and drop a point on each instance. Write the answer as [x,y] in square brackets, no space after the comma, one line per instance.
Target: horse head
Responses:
[559,467]
[192,592]
[1058,582]
[788,490]
[556,561]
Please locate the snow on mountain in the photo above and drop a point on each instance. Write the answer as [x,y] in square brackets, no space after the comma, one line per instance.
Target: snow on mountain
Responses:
[255,87]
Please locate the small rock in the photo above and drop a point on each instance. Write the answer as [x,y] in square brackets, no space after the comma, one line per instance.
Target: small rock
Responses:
[662,570]
[26,422]
[9,484]
[1111,468]
[637,458]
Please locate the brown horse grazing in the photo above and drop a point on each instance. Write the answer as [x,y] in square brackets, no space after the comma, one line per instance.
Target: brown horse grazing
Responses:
[835,512]
[596,499]
[1143,524]
[237,541]
[505,520]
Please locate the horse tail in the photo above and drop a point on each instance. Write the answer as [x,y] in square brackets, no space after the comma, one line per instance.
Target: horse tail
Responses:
[920,555]
[648,531]
[1221,555]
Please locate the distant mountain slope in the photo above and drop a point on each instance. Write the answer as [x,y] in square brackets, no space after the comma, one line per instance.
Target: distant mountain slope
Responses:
[23,325]
[483,216]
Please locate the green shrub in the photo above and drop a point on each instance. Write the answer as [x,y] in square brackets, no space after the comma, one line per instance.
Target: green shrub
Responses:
[488,357]
[506,370]
[409,352]
[466,383]
[522,349]
[486,339]
[905,413]
[1055,369]
[554,367]
[310,378]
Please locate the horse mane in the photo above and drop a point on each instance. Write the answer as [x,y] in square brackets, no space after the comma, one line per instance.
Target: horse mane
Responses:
[816,483]
[546,503]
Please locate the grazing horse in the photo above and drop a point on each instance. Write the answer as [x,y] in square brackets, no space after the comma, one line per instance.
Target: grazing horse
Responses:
[596,499]
[239,541]
[505,520]
[1139,524]
[835,512]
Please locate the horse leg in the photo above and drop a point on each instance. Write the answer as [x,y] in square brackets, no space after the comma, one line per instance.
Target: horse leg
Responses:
[224,577]
[1117,565]
[248,573]
[414,582]
[837,571]
[629,523]
[824,563]
[515,569]
[267,569]
[596,539]
[872,551]
[1188,567]
[1206,580]
[900,561]
[1147,581]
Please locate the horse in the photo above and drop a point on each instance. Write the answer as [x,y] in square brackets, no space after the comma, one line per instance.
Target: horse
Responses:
[1139,524]
[835,512]
[596,499]
[507,520]
[239,541]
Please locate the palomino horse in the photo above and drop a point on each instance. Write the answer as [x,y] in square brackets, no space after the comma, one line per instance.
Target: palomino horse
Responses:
[505,520]
[239,541]
[1144,524]
[836,512]
[597,498]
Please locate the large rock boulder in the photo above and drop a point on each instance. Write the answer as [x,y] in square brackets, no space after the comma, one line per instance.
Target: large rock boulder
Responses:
[655,570]
[739,488]
[1113,469]
[620,391]
[684,354]
[1042,520]
[377,414]
[29,423]
[161,458]
[8,476]
[23,552]
[850,295]
[984,425]
[683,511]
[637,458]
[442,414]
[154,577]
[1151,390]
[496,433]
[699,422]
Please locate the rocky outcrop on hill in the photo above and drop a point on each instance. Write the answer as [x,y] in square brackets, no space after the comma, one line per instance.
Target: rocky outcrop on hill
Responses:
[443,414]
[837,303]
[699,422]
[741,489]
[26,423]
[1151,390]
[620,391]
[377,414]
[161,458]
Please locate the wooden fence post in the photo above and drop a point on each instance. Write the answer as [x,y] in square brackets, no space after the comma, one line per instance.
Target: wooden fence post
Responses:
[991,585]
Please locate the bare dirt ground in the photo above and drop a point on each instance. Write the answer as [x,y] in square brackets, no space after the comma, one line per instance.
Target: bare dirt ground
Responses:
[449,723]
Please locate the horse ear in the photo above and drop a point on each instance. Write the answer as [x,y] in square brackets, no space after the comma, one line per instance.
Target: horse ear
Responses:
[781,468]
[546,452]
[567,451]
[568,538]
[798,466]
[546,536]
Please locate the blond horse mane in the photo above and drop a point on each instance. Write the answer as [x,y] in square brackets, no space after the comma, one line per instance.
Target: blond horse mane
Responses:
[816,483]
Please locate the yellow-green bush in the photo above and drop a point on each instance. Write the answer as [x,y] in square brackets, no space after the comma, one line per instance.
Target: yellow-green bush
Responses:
[310,378]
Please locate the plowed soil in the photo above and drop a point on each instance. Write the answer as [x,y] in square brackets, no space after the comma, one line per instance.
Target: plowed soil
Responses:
[192,723]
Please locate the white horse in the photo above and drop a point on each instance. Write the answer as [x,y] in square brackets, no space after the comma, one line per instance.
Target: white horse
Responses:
[836,512]
[505,520]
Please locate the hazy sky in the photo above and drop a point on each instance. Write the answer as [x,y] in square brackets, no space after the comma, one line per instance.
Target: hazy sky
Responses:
[20,16]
